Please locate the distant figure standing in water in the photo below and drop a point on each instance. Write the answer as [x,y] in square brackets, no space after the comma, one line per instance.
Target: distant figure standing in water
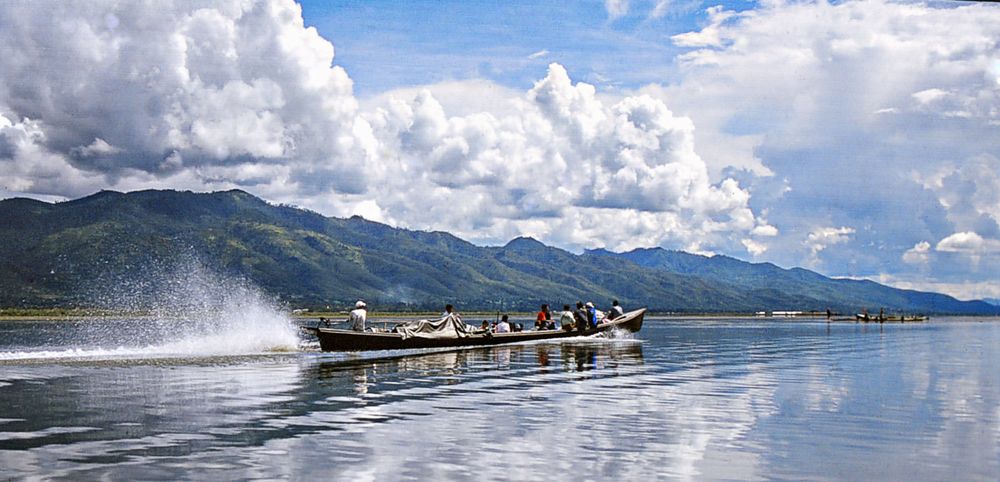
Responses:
[358,316]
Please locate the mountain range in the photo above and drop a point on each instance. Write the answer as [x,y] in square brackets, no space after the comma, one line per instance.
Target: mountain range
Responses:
[70,254]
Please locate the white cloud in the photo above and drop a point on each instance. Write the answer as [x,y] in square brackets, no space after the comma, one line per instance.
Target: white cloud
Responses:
[967,290]
[806,112]
[841,100]
[765,230]
[711,35]
[822,238]
[539,54]
[918,253]
[929,95]
[616,8]
[242,94]
[169,87]
[755,248]
[968,243]
[563,166]
[28,166]
[970,191]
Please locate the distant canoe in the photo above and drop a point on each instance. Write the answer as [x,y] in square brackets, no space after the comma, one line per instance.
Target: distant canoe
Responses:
[900,319]
[348,340]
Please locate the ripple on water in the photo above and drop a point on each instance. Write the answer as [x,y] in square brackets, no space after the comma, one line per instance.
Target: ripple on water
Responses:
[684,399]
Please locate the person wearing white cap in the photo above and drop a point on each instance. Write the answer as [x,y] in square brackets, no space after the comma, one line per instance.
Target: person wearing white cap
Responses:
[591,315]
[358,316]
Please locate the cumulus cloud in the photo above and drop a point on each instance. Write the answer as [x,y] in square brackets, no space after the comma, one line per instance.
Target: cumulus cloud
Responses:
[822,238]
[27,165]
[753,247]
[243,94]
[122,90]
[808,115]
[969,191]
[918,253]
[877,115]
[965,290]
[709,36]
[969,243]
[564,166]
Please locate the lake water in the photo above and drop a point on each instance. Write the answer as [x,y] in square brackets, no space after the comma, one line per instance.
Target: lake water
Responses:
[718,399]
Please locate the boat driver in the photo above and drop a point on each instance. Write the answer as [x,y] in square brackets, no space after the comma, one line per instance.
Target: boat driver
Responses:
[358,316]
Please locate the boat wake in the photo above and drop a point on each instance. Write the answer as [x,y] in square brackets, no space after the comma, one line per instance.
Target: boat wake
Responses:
[187,312]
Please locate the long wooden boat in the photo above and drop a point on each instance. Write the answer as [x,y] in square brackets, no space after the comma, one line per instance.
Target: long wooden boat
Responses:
[331,339]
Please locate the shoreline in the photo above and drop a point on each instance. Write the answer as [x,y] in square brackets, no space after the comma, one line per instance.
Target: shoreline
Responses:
[86,315]
[62,315]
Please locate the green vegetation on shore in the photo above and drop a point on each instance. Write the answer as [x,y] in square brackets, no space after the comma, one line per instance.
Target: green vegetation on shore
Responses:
[112,248]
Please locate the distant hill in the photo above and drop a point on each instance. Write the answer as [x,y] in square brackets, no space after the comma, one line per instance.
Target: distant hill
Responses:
[992,301]
[68,254]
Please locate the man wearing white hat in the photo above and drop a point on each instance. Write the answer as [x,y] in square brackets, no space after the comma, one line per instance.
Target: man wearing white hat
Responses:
[358,316]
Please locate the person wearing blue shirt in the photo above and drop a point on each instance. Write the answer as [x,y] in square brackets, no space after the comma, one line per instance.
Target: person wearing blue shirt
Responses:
[591,315]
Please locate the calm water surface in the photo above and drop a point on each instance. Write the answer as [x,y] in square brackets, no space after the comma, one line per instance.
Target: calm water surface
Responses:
[722,399]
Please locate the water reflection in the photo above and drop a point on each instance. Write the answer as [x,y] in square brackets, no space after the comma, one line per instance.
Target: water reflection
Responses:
[575,356]
[712,400]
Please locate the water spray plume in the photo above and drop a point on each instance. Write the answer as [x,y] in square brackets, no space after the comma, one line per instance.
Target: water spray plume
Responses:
[176,308]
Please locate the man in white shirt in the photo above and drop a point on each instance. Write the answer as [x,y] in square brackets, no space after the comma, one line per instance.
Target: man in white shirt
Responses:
[358,316]
[503,326]
[566,320]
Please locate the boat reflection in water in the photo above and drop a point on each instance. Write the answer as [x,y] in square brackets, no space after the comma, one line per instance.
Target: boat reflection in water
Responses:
[393,373]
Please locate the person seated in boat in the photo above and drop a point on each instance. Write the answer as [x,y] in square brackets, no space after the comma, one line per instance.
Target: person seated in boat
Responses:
[515,327]
[543,318]
[615,311]
[591,315]
[485,326]
[566,319]
[449,311]
[503,326]
[358,316]
[580,317]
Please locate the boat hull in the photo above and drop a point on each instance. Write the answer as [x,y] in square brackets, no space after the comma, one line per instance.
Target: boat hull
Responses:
[347,340]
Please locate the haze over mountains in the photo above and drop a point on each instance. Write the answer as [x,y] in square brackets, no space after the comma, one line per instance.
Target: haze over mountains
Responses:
[74,253]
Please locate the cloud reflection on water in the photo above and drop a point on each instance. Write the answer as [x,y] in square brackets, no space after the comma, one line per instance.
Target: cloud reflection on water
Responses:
[707,400]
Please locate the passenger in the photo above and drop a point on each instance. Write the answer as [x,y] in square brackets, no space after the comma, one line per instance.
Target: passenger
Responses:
[358,316]
[600,316]
[543,318]
[566,319]
[485,326]
[615,311]
[503,326]
[516,327]
[591,315]
[580,317]
[449,311]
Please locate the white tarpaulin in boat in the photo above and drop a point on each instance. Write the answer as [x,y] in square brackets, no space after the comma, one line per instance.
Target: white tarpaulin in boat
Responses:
[450,326]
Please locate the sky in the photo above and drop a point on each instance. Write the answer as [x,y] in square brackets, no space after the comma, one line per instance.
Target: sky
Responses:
[857,139]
